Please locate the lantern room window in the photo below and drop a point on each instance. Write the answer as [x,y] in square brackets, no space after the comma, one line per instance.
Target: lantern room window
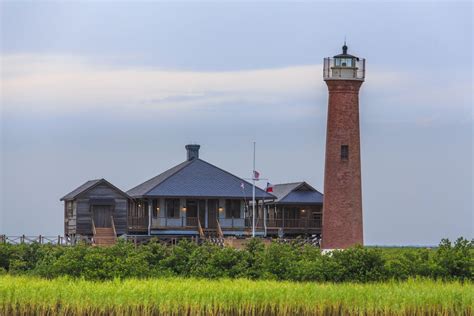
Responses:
[344,62]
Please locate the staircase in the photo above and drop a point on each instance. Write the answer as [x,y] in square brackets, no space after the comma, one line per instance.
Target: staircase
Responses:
[210,232]
[212,235]
[104,236]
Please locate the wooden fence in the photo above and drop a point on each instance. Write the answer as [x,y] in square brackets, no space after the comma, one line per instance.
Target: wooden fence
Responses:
[40,239]
[136,240]
[69,241]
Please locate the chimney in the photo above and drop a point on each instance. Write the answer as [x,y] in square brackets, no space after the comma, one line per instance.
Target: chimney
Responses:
[192,151]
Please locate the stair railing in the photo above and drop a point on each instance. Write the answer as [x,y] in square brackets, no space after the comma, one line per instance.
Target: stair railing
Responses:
[94,232]
[93,227]
[113,226]
[220,234]
[201,232]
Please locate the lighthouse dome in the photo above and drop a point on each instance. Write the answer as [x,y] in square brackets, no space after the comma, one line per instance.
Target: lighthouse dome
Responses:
[345,54]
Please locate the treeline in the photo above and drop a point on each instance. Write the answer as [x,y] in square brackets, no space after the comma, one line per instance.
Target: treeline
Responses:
[277,261]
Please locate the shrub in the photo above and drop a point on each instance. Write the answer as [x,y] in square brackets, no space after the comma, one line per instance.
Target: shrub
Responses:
[278,261]
[177,261]
[228,263]
[359,264]
[310,266]
[155,253]
[5,254]
[96,265]
[48,266]
[455,261]
[199,262]
[408,263]
[21,258]
[254,255]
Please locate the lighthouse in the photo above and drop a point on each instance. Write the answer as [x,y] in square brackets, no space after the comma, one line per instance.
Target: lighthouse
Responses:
[342,208]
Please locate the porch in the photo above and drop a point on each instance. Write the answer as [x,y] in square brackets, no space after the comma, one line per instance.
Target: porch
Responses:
[184,216]
[175,215]
[291,219]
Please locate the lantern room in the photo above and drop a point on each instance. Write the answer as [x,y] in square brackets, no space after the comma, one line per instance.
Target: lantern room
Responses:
[344,67]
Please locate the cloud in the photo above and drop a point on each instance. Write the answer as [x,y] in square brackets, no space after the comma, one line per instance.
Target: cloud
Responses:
[43,84]
[68,84]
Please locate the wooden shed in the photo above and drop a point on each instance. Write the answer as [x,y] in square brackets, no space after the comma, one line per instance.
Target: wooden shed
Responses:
[95,205]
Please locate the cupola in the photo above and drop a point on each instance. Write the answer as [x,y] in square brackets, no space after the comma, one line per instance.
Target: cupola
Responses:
[345,60]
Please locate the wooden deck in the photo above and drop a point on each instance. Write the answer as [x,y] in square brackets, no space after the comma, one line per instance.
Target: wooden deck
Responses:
[186,224]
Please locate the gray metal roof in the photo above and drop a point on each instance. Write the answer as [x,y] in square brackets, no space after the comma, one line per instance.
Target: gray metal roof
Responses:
[297,193]
[87,186]
[197,178]
[147,186]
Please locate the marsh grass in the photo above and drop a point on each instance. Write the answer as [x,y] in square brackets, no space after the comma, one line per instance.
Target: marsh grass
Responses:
[177,296]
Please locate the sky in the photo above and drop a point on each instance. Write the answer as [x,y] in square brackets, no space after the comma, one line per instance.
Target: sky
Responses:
[116,90]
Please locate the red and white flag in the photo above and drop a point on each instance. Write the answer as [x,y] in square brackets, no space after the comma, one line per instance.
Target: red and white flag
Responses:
[256,174]
[269,187]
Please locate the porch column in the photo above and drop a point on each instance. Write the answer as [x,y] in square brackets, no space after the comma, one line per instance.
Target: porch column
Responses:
[265,208]
[205,215]
[283,216]
[150,210]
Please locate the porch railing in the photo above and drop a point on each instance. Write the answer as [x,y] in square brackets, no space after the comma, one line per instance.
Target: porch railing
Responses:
[294,223]
[258,223]
[183,221]
[302,223]
[137,222]
[193,222]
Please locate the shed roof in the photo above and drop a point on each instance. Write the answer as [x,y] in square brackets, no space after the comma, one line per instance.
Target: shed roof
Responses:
[197,178]
[87,186]
[297,193]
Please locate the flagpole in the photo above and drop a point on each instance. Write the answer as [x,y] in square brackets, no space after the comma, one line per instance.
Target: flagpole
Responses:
[253,193]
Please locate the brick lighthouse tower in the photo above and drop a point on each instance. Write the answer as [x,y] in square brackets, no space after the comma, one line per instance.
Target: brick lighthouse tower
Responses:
[342,208]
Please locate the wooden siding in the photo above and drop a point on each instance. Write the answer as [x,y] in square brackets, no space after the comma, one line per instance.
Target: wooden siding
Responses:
[69,218]
[83,212]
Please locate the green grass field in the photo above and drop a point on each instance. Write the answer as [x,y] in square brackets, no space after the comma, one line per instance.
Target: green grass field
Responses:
[25,295]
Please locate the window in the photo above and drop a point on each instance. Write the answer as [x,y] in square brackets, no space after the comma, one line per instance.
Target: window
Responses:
[278,213]
[156,208]
[172,208]
[232,208]
[133,209]
[191,208]
[344,152]
[292,213]
[142,209]
[344,62]
[317,219]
